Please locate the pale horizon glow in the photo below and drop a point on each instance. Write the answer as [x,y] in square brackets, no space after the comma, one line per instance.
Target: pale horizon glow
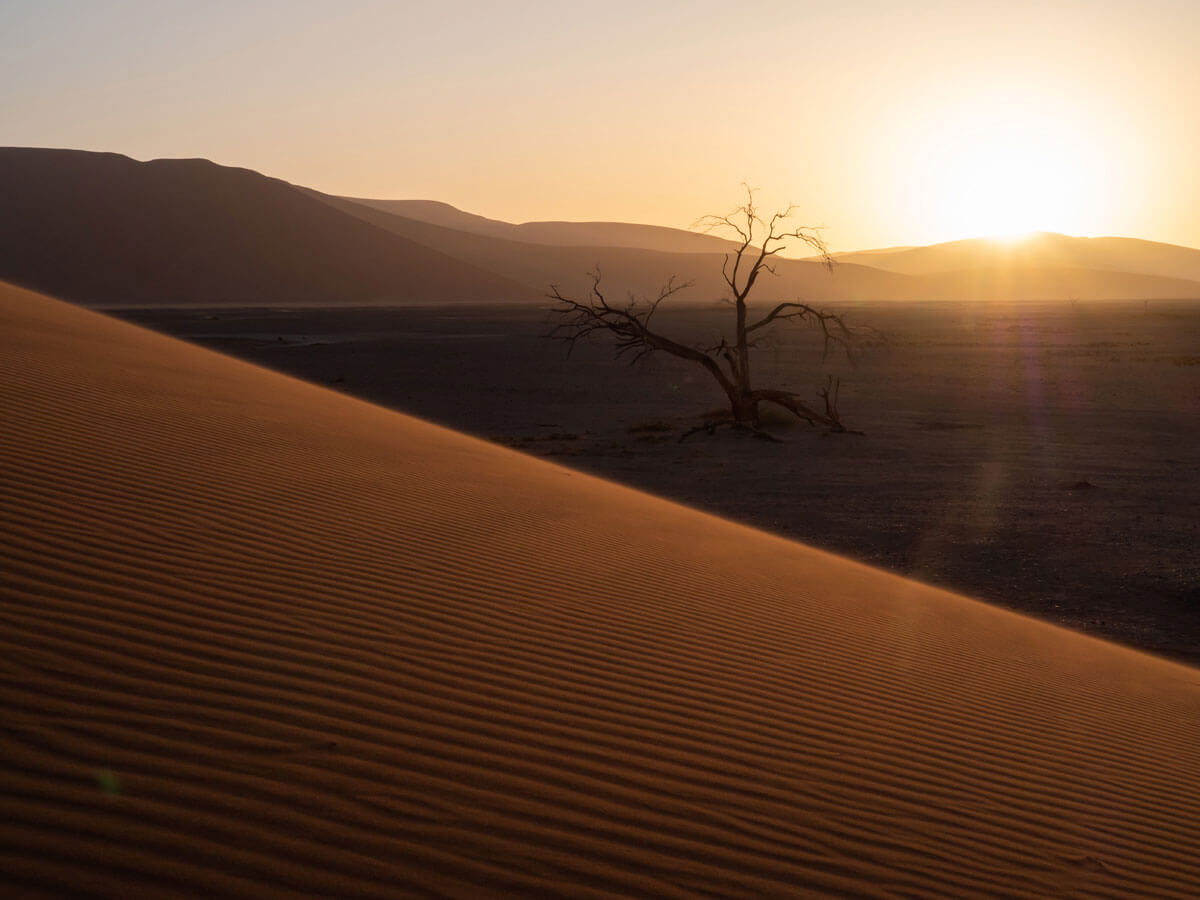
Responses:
[1003,165]
[887,124]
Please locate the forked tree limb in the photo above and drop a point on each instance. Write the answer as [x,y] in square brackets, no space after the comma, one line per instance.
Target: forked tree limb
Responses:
[830,418]
[629,324]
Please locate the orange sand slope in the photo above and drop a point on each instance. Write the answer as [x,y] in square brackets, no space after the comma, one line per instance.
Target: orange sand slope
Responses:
[262,639]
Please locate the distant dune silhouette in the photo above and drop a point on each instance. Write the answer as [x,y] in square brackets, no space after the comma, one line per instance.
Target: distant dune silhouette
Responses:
[1042,250]
[566,234]
[627,269]
[971,274]
[101,228]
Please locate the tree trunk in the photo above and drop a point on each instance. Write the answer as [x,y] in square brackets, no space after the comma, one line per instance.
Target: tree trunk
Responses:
[728,362]
[742,403]
[744,408]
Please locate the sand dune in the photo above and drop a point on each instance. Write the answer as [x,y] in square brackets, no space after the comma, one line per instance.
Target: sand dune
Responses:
[988,272]
[633,269]
[100,228]
[563,234]
[263,639]
[103,229]
[1044,250]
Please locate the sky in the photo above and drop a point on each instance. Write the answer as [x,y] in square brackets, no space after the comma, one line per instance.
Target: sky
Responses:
[887,123]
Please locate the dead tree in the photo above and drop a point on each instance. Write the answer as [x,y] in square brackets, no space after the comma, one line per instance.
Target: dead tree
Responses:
[759,242]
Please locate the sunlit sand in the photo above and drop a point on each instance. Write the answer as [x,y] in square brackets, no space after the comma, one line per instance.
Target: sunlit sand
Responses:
[261,638]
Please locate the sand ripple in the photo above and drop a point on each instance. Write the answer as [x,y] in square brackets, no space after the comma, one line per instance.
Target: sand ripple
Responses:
[261,639]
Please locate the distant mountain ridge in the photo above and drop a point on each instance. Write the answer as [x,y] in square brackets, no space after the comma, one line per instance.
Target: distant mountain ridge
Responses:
[1043,249]
[861,275]
[101,228]
[1043,266]
[566,234]
[104,229]
[627,270]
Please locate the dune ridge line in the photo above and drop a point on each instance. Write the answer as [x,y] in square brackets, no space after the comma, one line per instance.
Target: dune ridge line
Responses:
[261,639]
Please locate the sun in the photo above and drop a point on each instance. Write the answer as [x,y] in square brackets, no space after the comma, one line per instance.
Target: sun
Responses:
[1000,183]
[1004,168]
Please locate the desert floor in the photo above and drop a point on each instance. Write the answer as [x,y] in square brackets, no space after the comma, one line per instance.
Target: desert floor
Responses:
[1040,456]
[265,640]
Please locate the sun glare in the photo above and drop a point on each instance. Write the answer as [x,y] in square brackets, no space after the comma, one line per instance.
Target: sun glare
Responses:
[1004,184]
[1005,169]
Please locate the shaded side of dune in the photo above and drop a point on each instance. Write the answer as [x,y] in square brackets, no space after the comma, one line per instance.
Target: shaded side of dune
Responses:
[263,639]
[101,228]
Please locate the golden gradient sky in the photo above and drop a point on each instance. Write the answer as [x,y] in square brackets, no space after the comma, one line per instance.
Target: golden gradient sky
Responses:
[889,123]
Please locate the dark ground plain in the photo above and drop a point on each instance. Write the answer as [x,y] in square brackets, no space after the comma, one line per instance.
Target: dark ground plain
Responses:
[1044,457]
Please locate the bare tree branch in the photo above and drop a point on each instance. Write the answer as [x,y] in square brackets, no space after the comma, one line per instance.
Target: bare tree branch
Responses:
[629,325]
[727,360]
[834,329]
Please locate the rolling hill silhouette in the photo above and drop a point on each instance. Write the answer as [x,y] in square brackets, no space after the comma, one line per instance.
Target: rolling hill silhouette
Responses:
[105,229]
[866,275]
[565,234]
[1043,250]
[640,271]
